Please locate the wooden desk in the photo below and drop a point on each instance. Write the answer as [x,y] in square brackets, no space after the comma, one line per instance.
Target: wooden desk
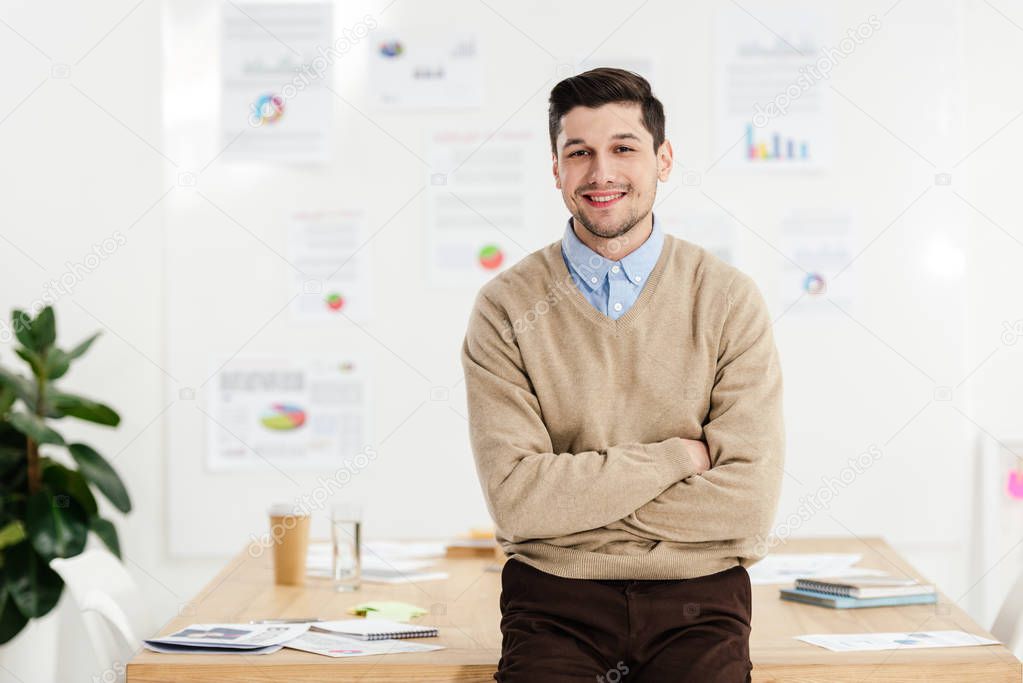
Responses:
[465,609]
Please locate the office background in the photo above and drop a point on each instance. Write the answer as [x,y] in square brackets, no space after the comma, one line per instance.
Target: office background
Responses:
[112,123]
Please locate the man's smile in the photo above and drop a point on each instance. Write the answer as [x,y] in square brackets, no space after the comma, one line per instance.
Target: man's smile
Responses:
[603,199]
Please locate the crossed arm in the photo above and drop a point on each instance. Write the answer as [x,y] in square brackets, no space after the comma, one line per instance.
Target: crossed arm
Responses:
[744,434]
[533,492]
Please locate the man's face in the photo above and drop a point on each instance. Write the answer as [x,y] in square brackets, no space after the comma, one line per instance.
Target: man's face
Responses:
[606,167]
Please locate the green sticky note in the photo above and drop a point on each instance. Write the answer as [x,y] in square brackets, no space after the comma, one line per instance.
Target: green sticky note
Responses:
[383,609]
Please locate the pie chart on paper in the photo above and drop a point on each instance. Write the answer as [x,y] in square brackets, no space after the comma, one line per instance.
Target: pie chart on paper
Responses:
[283,417]
[335,302]
[491,257]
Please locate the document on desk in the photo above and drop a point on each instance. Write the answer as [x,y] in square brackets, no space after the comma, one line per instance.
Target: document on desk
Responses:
[227,638]
[787,567]
[375,568]
[334,645]
[859,642]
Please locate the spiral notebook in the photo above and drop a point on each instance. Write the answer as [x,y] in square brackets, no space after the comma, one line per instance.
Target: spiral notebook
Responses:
[865,586]
[374,629]
[840,602]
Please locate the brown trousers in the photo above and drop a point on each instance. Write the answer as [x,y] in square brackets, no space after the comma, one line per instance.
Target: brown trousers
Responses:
[666,631]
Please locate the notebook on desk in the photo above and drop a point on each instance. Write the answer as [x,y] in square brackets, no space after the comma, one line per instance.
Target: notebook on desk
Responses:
[865,586]
[844,602]
[374,629]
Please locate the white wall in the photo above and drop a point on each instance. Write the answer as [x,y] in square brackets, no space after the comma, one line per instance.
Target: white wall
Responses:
[79,165]
[990,184]
[85,160]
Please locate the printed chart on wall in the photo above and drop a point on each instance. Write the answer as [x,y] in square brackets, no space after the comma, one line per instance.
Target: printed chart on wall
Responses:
[274,105]
[712,230]
[820,245]
[773,101]
[333,276]
[426,71]
[480,212]
[288,412]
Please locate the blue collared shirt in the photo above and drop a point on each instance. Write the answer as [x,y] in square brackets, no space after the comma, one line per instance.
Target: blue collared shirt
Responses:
[611,286]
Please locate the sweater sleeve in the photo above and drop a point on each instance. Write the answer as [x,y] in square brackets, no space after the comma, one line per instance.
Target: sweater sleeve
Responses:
[531,491]
[744,431]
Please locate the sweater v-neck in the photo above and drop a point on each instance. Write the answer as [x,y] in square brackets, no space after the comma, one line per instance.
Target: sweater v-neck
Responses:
[625,321]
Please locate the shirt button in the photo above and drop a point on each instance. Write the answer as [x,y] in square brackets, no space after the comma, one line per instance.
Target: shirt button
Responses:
[618,306]
[615,269]
[637,278]
[593,280]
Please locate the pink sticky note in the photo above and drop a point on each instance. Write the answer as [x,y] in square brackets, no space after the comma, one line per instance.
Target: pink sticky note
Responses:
[1015,487]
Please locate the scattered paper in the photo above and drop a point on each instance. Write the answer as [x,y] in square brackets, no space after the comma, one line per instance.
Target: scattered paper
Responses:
[786,568]
[376,568]
[240,638]
[209,650]
[857,642]
[395,576]
[404,550]
[333,645]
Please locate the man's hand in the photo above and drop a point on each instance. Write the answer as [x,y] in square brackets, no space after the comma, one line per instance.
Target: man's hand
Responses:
[698,452]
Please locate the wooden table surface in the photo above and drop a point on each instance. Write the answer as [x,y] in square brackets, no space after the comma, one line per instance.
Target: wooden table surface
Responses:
[465,609]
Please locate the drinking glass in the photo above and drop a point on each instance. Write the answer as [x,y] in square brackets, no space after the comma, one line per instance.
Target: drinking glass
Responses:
[346,542]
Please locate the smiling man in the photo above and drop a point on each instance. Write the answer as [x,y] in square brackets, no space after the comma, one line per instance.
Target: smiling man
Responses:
[625,414]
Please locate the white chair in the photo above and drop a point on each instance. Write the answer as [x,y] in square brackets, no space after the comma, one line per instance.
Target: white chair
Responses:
[1007,625]
[111,603]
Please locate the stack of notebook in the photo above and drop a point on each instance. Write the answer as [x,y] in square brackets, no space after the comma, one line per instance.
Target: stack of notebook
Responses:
[860,591]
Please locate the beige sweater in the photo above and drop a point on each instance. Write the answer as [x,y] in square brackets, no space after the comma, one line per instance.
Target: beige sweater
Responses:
[576,420]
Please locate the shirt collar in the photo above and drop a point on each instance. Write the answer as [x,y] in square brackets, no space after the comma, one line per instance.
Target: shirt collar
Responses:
[592,268]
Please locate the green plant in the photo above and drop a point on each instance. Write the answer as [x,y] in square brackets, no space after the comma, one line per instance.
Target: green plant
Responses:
[47,508]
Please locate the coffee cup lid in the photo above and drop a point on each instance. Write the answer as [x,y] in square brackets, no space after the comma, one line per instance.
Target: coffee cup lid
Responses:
[287,510]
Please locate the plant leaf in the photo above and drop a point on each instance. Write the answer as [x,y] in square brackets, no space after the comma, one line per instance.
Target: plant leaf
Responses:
[9,457]
[44,329]
[13,532]
[82,408]
[39,334]
[57,363]
[81,348]
[60,480]
[11,618]
[7,398]
[107,533]
[32,358]
[57,525]
[22,387]
[22,324]
[34,427]
[34,587]
[13,458]
[96,469]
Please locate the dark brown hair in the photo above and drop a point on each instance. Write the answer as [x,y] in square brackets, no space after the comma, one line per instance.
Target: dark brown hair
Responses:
[601,86]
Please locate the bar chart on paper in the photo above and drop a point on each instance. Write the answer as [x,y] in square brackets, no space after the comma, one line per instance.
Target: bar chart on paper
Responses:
[770,113]
[772,146]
